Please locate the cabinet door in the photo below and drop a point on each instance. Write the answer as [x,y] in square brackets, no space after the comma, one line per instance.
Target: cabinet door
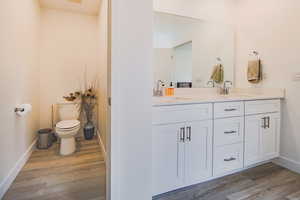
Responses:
[198,152]
[253,142]
[167,157]
[270,137]
[262,134]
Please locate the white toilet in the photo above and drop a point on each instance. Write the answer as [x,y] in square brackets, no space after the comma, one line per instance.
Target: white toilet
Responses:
[68,127]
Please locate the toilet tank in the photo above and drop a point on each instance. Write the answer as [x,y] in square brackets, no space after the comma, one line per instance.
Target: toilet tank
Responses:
[67,111]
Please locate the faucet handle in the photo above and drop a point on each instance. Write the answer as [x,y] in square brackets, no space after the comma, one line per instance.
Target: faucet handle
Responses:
[158,90]
[210,83]
[225,89]
[230,82]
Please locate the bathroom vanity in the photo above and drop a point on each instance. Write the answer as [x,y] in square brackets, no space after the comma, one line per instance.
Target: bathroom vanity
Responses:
[199,138]
[199,135]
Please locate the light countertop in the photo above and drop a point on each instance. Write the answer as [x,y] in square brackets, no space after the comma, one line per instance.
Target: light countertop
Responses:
[197,96]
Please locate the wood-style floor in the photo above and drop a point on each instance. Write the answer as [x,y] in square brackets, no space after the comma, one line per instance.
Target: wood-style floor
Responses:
[49,176]
[266,182]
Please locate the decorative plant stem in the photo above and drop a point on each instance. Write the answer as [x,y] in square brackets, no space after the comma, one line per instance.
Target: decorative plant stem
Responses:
[86,101]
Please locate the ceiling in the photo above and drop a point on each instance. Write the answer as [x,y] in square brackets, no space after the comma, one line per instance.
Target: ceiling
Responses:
[89,7]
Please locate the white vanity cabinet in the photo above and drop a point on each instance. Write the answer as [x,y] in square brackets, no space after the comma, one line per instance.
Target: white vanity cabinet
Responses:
[181,151]
[262,131]
[199,142]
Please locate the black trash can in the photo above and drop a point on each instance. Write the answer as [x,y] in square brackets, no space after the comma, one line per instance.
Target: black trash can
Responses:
[45,138]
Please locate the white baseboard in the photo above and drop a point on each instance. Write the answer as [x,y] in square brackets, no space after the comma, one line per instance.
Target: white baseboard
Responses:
[101,145]
[9,179]
[288,163]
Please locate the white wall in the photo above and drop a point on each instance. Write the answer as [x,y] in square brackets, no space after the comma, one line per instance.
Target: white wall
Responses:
[131,99]
[103,79]
[213,10]
[69,42]
[163,64]
[214,40]
[272,28]
[183,58]
[19,69]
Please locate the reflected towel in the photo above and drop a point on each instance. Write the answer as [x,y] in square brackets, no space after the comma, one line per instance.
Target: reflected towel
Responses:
[254,71]
[218,74]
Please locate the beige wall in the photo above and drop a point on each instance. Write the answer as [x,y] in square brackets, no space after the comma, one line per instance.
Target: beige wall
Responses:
[68,44]
[102,53]
[272,28]
[19,70]
[43,54]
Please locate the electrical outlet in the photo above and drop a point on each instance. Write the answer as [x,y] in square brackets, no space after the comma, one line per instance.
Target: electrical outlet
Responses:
[198,80]
[296,77]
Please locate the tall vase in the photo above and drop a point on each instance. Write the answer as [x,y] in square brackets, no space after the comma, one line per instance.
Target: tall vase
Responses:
[89,130]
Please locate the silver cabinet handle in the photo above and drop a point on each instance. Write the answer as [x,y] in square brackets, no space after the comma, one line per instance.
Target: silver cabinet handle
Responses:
[268,122]
[230,109]
[189,133]
[229,132]
[182,134]
[229,159]
[264,125]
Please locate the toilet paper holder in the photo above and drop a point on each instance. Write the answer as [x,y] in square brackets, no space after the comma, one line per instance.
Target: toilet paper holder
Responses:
[23,110]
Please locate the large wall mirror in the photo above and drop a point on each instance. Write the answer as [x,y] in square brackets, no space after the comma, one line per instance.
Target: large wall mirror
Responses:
[186,50]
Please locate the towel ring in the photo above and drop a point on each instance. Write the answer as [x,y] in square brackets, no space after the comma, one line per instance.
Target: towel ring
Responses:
[256,54]
[219,60]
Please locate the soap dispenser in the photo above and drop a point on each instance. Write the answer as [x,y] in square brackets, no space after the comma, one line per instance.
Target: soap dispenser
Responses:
[170,90]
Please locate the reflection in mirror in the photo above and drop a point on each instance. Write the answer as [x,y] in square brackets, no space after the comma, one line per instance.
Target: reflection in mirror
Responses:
[186,50]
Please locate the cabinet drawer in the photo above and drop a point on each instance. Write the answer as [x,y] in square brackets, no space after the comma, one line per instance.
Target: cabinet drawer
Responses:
[228,109]
[181,113]
[262,106]
[228,131]
[228,158]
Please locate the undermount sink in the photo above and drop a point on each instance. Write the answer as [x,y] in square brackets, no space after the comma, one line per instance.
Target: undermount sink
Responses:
[232,95]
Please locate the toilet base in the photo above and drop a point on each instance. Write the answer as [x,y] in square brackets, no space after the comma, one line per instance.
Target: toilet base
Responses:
[67,146]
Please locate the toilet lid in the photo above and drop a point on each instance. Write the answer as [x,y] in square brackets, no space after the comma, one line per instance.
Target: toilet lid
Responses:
[67,124]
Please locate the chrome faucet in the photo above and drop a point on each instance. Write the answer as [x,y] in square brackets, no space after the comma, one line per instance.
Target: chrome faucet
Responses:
[158,90]
[225,89]
[211,82]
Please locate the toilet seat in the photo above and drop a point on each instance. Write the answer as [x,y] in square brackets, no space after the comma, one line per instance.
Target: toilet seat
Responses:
[67,125]
[67,130]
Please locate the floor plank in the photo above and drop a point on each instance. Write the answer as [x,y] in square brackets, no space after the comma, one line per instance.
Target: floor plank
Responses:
[294,196]
[49,176]
[266,182]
